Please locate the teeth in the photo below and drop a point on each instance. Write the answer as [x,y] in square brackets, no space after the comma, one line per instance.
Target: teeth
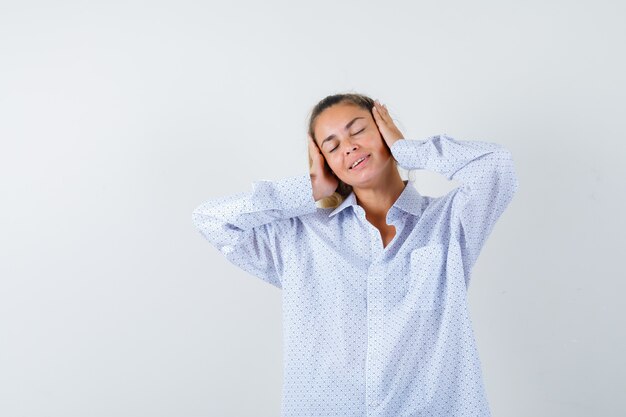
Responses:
[357,162]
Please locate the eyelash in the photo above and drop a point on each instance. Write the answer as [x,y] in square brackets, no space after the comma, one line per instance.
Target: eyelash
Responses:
[338,146]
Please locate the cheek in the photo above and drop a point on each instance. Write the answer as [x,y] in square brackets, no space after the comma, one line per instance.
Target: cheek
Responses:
[380,146]
[336,164]
[332,162]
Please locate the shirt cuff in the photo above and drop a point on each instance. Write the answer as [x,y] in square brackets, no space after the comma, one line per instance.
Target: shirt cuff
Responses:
[293,195]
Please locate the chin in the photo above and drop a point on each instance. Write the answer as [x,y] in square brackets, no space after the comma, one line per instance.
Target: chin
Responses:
[363,182]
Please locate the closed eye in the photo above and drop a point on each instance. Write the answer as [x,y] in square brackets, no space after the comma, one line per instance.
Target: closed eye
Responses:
[352,135]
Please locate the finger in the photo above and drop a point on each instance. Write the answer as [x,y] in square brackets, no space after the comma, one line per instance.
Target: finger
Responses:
[382,115]
[313,148]
[383,109]
[316,158]
[313,151]
[386,116]
[315,145]
[379,107]
[378,118]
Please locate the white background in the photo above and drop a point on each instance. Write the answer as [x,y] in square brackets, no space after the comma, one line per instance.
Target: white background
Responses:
[117,119]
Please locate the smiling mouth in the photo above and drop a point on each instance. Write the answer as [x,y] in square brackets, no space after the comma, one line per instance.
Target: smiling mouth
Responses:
[358,162]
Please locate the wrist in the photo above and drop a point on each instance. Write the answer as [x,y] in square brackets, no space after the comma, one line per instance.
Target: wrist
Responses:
[391,142]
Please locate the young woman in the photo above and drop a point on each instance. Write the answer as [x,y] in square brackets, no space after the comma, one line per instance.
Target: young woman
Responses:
[374,276]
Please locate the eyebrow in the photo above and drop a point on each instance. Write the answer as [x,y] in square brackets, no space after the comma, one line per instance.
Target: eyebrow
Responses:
[333,136]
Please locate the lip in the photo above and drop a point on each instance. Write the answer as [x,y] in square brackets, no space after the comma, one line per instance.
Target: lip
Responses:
[367,157]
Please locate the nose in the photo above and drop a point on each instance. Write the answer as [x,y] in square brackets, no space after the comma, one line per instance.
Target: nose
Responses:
[351,148]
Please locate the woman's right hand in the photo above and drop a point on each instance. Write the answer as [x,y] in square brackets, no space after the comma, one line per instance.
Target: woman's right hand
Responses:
[324,182]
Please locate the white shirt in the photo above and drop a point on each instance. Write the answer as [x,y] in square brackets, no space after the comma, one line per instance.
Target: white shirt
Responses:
[373,331]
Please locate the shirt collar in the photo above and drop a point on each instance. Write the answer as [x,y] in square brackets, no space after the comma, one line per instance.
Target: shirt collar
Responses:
[409,201]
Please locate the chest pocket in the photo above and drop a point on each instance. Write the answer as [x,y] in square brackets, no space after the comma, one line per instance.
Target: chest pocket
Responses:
[426,283]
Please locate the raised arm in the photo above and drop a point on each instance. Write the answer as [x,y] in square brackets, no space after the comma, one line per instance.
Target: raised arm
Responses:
[245,227]
[487,175]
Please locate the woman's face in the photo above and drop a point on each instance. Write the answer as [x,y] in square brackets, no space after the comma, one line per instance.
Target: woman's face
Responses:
[345,133]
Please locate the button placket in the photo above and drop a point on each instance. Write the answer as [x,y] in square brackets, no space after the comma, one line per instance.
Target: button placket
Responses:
[374,315]
[374,334]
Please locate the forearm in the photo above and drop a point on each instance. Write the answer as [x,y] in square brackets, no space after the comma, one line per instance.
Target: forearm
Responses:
[268,201]
[249,228]
[441,153]
[488,182]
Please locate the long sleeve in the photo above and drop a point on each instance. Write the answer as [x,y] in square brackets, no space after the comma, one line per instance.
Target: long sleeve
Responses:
[244,226]
[488,182]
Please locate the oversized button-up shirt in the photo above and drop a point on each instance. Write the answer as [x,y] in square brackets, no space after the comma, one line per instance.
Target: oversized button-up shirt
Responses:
[372,330]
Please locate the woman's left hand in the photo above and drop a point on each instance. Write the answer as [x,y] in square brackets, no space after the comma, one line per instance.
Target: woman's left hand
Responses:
[386,126]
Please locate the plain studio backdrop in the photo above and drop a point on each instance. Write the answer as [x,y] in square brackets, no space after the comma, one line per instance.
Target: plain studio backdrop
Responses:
[117,119]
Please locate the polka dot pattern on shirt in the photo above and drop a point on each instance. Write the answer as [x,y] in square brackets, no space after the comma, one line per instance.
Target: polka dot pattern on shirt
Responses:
[372,330]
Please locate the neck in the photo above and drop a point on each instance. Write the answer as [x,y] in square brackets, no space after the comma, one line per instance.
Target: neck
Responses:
[379,197]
